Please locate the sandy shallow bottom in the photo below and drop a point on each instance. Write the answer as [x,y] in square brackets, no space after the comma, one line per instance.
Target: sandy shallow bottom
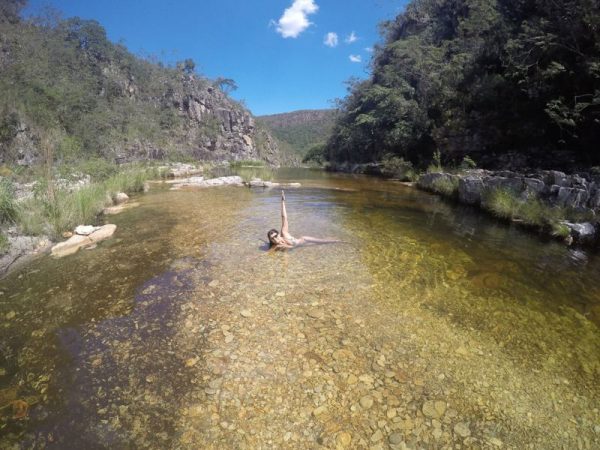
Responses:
[193,337]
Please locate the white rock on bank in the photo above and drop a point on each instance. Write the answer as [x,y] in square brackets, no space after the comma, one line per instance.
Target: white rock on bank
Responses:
[85,230]
[121,197]
[77,241]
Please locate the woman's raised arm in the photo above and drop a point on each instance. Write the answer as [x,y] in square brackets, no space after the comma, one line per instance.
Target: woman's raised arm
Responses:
[284,220]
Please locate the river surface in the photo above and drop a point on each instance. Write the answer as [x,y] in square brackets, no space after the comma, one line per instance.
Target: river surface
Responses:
[431,326]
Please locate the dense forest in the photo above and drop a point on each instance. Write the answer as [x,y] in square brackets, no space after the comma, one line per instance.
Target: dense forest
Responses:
[66,89]
[301,130]
[509,83]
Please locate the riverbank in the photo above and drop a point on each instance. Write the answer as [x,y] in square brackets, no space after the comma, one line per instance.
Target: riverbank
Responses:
[555,204]
[550,202]
[36,214]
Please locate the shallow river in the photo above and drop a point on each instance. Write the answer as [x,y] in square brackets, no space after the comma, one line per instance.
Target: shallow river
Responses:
[431,326]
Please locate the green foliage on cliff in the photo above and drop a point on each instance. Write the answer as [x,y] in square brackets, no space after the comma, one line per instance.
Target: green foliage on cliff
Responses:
[64,83]
[487,78]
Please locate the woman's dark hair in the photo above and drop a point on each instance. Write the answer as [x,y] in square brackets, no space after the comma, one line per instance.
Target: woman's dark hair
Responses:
[272,232]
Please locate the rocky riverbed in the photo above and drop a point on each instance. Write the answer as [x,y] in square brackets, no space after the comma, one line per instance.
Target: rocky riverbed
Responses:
[182,332]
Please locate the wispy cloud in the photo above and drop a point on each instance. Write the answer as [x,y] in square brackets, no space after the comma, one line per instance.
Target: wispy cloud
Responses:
[355,58]
[295,18]
[331,39]
[352,37]
[369,49]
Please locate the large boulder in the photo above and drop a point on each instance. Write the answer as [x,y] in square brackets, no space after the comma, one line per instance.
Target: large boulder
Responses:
[514,184]
[470,190]
[594,202]
[556,177]
[534,185]
[582,232]
[572,197]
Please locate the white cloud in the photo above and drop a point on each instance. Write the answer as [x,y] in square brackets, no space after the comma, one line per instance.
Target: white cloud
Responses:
[369,49]
[351,38]
[295,18]
[331,39]
[355,58]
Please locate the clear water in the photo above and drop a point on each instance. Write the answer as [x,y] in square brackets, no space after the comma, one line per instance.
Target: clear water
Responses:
[140,342]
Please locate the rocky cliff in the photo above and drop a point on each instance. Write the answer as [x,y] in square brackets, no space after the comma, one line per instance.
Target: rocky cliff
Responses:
[65,88]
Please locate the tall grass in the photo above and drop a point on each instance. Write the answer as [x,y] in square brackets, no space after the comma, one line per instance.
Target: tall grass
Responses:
[506,204]
[445,186]
[4,245]
[8,204]
[247,162]
[54,211]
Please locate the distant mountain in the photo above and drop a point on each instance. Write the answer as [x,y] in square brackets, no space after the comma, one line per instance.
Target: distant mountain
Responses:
[68,91]
[300,130]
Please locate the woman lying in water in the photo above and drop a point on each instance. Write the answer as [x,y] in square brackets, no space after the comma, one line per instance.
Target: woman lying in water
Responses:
[284,240]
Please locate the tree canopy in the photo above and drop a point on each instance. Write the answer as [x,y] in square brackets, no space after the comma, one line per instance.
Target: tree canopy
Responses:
[487,78]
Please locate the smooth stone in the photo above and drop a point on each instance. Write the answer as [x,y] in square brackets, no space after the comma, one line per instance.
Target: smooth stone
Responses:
[342,354]
[343,440]
[121,197]
[246,313]
[316,314]
[320,410]
[395,438]
[366,402]
[462,429]
[377,436]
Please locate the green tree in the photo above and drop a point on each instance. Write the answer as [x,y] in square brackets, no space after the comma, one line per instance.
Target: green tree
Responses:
[10,10]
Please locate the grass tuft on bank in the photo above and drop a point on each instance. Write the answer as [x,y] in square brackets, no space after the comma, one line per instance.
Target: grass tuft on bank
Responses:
[53,210]
[8,204]
[508,205]
[447,187]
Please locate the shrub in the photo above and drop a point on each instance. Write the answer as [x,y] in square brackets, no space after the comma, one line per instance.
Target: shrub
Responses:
[560,230]
[315,154]
[394,166]
[129,181]
[32,220]
[468,163]
[436,163]
[99,169]
[247,162]
[8,204]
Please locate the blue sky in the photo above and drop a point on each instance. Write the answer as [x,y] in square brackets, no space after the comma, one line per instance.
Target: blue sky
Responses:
[283,54]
